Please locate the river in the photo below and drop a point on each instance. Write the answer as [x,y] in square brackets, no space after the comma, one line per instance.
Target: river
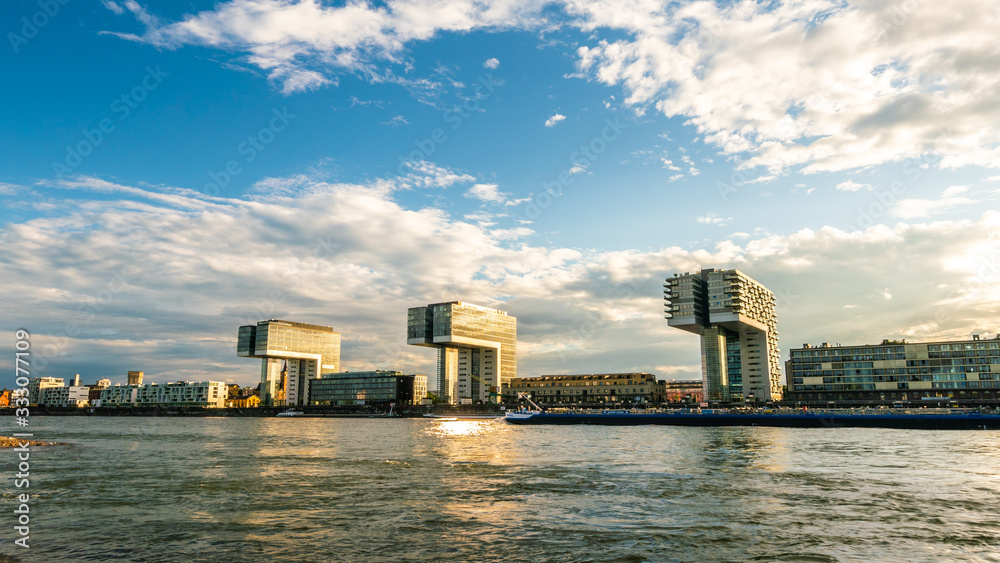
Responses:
[322,489]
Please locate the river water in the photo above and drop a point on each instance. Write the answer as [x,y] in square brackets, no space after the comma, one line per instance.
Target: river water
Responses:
[315,489]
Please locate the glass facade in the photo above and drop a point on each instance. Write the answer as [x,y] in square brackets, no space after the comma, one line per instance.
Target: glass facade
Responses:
[362,388]
[306,350]
[896,371]
[734,364]
[486,340]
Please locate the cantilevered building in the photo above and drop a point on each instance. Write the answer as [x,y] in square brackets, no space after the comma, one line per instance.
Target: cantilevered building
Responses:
[734,315]
[305,350]
[477,348]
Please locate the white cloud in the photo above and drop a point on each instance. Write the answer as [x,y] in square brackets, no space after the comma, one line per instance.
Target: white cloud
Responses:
[302,45]
[822,85]
[109,4]
[190,269]
[915,208]
[491,63]
[953,191]
[852,186]
[713,219]
[396,121]
[554,119]
[423,174]
[486,192]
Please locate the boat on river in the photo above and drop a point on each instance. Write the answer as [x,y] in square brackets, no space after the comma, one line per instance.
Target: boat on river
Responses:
[930,421]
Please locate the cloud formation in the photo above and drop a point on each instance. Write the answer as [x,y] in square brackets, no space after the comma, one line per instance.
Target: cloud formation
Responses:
[550,122]
[159,280]
[816,86]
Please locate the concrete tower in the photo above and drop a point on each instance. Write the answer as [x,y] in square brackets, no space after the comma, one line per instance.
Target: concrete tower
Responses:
[734,315]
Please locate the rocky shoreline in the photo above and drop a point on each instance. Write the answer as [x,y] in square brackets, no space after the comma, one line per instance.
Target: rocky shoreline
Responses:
[8,442]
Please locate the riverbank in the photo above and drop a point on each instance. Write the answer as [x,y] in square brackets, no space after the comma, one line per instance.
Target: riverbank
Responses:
[10,442]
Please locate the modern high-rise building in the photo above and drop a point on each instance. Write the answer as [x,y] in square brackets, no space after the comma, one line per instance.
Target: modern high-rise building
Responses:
[305,351]
[477,349]
[966,371]
[734,315]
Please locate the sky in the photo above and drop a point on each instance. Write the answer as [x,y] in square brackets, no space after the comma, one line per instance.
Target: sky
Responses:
[172,170]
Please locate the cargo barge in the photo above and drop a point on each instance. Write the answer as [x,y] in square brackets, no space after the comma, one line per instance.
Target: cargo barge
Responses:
[969,421]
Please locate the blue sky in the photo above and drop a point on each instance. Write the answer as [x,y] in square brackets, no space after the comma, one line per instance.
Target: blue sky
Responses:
[172,170]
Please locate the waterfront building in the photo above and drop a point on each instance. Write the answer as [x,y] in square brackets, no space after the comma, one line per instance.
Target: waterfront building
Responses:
[419,388]
[119,396]
[477,349]
[37,384]
[94,395]
[684,391]
[243,401]
[65,396]
[735,317]
[892,372]
[5,397]
[591,388]
[210,394]
[303,351]
[378,387]
[135,378]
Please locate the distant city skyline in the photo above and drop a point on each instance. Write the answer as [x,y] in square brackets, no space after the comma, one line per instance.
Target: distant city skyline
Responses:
[174,171]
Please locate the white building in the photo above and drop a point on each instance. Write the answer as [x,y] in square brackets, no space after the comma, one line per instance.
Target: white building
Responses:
[184,394]
[37,384]
[62,396]
[119,395]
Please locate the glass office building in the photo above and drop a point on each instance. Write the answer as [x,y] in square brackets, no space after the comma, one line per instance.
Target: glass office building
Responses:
[379,387]
[735,317]
[477,349]
[291,354]
[892,372]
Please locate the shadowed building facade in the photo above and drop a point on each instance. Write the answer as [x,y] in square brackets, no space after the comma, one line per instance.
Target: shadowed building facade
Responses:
[307,351]
[477,348]
[735,317]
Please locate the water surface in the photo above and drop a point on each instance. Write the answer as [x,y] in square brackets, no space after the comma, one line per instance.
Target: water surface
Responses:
[320,489]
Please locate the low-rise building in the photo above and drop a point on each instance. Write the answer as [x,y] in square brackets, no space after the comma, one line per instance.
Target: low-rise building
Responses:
[893,372]
[365,388]
[684,391]
[600,388]
[119,396]
[37,384]
[211,394]
[243,401]
[63,396]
